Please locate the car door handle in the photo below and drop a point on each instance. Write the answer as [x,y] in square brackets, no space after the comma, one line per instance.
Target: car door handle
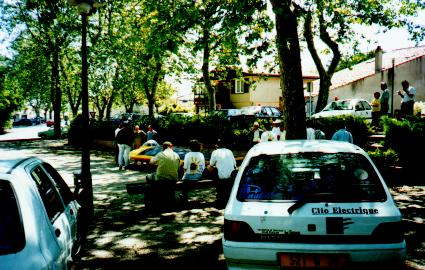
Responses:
[57,232]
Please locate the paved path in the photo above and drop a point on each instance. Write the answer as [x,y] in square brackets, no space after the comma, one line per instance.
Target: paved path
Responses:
[23,133]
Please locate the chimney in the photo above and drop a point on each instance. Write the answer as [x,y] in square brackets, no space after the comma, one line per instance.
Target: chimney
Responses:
[378,59]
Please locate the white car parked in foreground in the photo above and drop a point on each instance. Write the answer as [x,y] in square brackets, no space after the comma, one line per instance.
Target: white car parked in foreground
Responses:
[38,216]
[354,107]
[311,203]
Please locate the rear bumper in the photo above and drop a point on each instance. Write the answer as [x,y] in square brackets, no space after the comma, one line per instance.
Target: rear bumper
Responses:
[241,255]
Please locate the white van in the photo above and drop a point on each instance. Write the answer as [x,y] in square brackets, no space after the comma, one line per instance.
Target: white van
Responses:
[312,204]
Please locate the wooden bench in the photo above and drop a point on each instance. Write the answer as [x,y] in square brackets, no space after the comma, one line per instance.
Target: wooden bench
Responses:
[140,188]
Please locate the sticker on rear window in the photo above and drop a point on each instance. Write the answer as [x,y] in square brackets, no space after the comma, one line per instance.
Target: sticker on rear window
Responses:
[344,211]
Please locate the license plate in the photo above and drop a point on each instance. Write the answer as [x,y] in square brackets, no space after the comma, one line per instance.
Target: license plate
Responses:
[300,260]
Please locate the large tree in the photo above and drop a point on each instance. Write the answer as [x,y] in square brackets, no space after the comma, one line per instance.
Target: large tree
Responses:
[10,99]
[289,55]
[32,72]
[47,24]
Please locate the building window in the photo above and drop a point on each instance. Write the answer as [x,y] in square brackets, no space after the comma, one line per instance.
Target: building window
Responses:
[239,87]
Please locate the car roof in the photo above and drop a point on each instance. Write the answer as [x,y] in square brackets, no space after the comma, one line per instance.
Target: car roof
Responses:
[300,146]
[7,165]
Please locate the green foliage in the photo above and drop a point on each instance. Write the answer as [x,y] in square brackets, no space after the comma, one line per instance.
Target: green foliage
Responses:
[359,127]
[384,159]
[9,103]
[355,59]
[407,138]
[10,99]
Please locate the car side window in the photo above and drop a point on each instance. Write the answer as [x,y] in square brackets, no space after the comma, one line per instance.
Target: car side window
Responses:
[62,187]
[49,195]
[12,235]
[275,112]
[366,105]
[359,106]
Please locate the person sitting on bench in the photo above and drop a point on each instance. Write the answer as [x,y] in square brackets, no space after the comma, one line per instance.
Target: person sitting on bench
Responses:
[194,165]
[163,181]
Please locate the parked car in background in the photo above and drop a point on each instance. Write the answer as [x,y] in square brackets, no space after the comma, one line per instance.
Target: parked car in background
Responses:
[261,111]
[37,120]
[50,122]
[22,122]
[308,203]
[355,107]
[38,216]
[50,133]
[227,113]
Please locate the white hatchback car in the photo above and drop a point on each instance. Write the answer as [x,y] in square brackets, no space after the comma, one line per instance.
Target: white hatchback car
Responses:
[38,216]
[311,203]
[355,107]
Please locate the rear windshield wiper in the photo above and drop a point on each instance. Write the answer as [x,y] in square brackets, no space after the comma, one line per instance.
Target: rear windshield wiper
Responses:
[309,198]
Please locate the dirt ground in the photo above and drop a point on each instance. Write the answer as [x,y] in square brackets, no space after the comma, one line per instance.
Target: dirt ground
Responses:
[123,236]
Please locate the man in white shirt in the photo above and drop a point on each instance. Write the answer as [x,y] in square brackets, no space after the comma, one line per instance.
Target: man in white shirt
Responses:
[408,95]
[268,135]
[222,163]
[256,133]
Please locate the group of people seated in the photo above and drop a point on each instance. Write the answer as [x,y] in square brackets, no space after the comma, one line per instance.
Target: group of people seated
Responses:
[220,169]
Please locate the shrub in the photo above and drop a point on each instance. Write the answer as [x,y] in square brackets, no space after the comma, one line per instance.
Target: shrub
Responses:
[407,138]
[359,127]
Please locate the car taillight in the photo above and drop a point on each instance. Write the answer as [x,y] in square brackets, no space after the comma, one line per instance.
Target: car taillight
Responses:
[238,231]
[389,232]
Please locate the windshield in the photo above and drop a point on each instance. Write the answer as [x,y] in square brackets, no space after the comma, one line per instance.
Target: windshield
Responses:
[339,176]
[339,105]
[12,238]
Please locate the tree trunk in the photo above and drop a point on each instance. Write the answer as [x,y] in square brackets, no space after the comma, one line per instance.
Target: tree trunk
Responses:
[325,75]
[206,71]
[290,68]
[57,100]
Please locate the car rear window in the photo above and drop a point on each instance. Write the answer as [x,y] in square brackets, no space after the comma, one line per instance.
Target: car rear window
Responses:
[339,176]
[12,237]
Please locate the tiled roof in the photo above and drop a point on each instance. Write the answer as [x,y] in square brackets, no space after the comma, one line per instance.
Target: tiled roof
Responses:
[367,68]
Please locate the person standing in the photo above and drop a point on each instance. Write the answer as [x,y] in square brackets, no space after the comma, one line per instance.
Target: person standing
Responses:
[268,135]
[221,167]
[385,99]
[408,95]
[151,134]
[139,137]
[256,133]
[376,109]
[125,139]
[115,144]
[282,130]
